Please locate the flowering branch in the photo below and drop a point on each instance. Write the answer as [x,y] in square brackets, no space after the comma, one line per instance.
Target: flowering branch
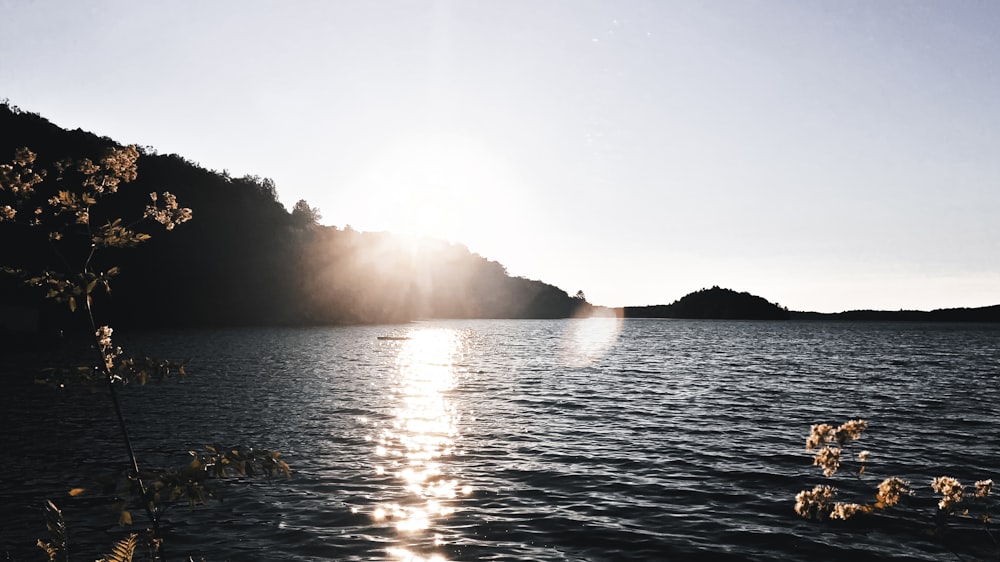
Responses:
[819,502]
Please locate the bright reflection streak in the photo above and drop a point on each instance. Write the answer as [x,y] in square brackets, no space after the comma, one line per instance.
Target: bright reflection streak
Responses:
[416,445]
[407,556]
[590,339]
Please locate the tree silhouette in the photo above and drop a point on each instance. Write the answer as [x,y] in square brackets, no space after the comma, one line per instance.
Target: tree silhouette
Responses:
[304,214]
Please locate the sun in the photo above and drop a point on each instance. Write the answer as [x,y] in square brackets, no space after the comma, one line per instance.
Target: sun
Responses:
[443,186]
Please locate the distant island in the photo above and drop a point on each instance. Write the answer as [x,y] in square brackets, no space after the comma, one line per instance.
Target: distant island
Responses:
[726,304]
[715,304]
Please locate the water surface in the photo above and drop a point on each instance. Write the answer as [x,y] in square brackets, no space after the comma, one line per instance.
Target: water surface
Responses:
[594,439]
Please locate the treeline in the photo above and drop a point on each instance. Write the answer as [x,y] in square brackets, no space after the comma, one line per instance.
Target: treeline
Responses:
[246,260]
[714,303]
[979,314]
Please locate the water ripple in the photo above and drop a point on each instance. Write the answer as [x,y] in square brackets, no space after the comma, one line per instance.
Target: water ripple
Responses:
[529,440]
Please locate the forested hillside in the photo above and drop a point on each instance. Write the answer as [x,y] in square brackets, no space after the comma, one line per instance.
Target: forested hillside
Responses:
[246,260]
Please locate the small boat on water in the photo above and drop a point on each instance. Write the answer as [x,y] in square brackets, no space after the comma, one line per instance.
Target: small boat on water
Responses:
[393,338]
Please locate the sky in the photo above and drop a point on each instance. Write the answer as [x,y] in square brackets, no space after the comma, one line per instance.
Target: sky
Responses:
[826,156]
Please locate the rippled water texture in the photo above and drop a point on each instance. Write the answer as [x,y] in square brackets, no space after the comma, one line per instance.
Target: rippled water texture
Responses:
[594,439]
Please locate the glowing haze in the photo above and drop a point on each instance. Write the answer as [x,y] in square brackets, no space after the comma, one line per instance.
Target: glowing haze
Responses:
[825,155]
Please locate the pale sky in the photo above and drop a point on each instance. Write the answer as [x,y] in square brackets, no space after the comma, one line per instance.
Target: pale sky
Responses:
[824,155]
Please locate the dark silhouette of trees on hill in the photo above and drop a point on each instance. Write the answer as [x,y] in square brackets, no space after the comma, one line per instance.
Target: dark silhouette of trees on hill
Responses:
[714,303]
[303,213]
[247,260]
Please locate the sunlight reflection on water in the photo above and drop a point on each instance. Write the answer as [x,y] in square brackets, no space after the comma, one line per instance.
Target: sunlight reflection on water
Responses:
[420,440]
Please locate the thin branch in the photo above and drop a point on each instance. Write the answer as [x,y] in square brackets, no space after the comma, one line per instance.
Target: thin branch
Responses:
[113,389]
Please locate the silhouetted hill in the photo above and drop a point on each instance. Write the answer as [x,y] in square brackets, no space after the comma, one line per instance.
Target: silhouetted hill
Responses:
[245,260]
[714,303]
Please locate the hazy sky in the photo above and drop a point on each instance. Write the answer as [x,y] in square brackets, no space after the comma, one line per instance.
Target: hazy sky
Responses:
[825,155]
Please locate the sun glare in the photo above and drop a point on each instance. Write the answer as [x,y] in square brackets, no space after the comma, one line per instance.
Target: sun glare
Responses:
[443,186]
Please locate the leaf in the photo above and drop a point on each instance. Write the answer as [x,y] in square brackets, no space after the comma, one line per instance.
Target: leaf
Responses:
[52,552]
[76,492]
[123,550]
[57,550]
[72,304]
[91,285]
[125,518]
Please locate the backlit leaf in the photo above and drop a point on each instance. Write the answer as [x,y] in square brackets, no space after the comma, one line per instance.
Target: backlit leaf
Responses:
[123,551]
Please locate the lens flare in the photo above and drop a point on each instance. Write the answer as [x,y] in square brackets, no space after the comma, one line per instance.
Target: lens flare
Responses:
[588,340]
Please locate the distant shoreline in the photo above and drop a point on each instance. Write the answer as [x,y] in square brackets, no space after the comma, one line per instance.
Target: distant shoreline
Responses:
[986,314]
[726,304]
[980,314]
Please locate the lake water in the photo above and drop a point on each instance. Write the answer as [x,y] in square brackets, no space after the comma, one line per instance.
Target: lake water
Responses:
[595,439]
